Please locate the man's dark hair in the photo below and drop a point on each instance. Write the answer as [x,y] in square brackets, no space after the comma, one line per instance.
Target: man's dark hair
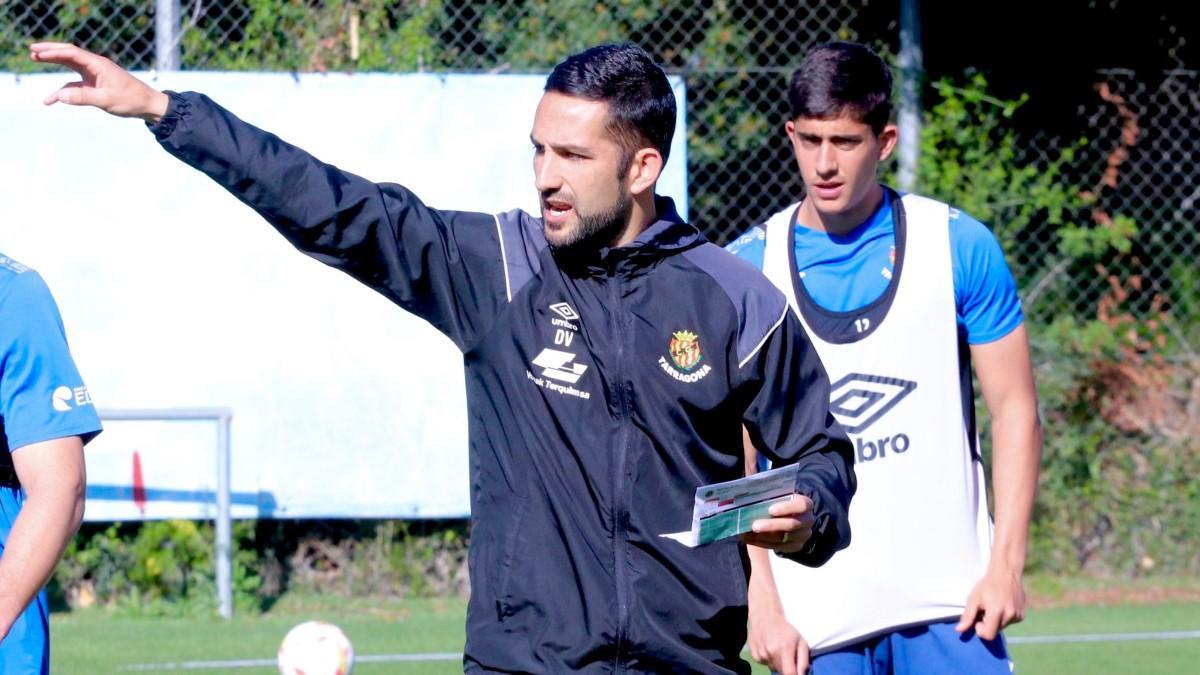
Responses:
[641,105]
[842,78]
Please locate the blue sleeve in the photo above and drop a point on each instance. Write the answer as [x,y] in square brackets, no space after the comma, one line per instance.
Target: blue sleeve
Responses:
[42,396]
[751,246]
[985,293]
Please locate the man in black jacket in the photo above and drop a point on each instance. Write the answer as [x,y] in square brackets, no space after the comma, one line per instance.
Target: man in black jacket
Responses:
[611,356]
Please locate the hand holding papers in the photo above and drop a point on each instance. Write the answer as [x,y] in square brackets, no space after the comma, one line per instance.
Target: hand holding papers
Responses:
[728,509]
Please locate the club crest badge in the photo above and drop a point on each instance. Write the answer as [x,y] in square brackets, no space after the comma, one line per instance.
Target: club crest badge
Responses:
[686,358]
[685,349]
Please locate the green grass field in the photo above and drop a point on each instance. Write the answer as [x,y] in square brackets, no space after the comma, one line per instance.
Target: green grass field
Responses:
[100,641]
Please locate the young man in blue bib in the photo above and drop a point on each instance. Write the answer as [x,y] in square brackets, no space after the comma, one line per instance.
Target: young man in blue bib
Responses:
[901,295]
[46,415]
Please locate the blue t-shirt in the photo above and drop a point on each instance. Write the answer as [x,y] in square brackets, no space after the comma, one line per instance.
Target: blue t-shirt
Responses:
[42,398]
[843,273]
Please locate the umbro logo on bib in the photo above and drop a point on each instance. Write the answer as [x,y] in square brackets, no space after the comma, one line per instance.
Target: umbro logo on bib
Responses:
[858,400]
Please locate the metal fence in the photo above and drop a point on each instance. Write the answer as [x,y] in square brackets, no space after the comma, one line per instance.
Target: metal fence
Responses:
[1140,129]
[1119,245]
[1150,130]
[735,57]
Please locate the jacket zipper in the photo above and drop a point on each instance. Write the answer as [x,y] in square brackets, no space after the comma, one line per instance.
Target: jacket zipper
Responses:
[619,482]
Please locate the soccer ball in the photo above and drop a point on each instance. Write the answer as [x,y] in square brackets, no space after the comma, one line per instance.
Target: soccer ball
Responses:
[315,648]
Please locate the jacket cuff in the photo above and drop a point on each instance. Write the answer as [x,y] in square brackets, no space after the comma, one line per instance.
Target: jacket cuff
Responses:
[827,538]
[177,108]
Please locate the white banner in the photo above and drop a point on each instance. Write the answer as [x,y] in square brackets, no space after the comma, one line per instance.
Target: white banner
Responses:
[150,470]
[174,294]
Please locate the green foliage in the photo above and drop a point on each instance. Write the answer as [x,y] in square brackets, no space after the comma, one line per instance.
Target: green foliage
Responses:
[368,558]
[1184,275]
[972,158]
[1113,496]
[167,567]
[158,566]
[724,122]
[169,556]
[1118,493]
[537,34]
[1095,242]
[94,565]
[319,36]
[118,28]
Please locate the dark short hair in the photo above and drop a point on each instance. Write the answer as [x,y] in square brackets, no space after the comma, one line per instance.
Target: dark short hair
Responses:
[640,101]
[840,78]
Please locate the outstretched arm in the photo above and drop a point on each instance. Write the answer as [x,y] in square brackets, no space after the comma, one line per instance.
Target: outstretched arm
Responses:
[444,266]
[52,476]
[1006,378]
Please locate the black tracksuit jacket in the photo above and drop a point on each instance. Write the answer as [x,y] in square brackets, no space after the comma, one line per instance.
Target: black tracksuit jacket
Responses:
[600,394]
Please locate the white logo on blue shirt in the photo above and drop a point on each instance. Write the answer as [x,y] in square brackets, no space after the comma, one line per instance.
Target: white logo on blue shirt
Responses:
[65,398]
[62,399]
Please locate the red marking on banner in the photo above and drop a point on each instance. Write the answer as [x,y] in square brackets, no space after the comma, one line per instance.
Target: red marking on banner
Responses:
[139,485]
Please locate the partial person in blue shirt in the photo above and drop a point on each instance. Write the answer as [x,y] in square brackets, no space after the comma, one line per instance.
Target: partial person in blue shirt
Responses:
[46,417]
[928,582]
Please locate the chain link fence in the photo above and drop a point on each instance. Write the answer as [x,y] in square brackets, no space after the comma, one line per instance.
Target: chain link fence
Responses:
[735,57]
[1151,129]
[1099,219]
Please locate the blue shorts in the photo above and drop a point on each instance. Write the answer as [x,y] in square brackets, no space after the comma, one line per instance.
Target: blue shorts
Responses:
[26,650]
[930,649]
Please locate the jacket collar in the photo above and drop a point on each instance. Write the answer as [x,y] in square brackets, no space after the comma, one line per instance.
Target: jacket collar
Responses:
[666,236]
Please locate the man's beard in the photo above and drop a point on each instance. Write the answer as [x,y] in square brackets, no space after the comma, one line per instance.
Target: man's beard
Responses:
[596,230]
